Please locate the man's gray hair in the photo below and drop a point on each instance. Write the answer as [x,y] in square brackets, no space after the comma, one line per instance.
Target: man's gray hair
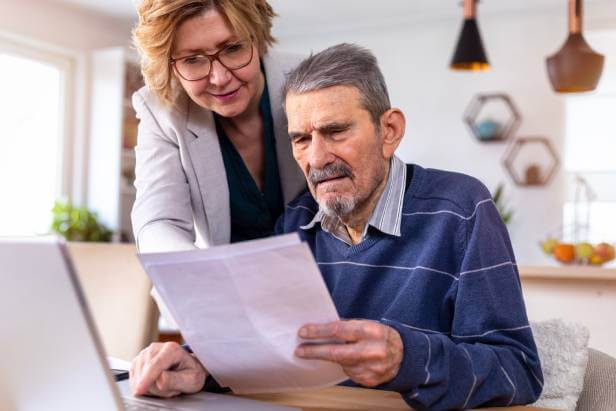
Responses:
[342,65]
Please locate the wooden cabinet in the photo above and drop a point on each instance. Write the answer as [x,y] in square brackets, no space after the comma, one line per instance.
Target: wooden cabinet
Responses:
[113,136]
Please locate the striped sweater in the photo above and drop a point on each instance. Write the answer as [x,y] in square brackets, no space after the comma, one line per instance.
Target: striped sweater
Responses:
[448,284]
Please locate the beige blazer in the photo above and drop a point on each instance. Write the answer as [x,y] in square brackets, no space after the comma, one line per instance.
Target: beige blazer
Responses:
[182,194]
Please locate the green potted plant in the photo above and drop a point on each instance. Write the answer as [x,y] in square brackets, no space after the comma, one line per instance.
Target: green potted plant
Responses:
[78,224]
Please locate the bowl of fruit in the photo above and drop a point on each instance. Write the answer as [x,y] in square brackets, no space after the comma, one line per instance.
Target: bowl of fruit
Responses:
[582,253]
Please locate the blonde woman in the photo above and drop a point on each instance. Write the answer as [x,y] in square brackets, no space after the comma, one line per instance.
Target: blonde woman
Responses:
[213,159]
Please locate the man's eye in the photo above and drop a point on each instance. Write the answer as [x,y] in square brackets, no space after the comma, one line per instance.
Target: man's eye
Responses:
[337,131]
[301,140]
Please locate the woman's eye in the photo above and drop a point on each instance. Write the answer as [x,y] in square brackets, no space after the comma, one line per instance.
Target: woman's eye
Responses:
[233,48]
[193,60]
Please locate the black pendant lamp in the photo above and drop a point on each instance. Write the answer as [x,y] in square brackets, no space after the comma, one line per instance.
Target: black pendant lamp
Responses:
[469,54]
[576,67]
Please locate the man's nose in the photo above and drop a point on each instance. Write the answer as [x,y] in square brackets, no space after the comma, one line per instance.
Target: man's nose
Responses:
[219,74]
[320,153]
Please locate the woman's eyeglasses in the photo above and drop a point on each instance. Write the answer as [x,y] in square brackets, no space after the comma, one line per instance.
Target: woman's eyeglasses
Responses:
[198,66]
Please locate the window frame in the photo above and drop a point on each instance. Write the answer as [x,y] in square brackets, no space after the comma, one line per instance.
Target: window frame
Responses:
[66,65]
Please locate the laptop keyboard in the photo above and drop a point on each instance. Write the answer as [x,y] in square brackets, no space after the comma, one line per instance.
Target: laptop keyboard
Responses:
[133,404]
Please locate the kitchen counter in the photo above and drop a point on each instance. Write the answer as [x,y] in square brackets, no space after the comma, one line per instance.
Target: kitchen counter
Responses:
[568,272]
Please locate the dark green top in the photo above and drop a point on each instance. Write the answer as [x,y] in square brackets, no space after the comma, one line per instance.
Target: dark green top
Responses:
[253,213]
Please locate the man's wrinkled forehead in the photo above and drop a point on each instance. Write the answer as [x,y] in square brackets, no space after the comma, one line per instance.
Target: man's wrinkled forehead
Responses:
[320,108]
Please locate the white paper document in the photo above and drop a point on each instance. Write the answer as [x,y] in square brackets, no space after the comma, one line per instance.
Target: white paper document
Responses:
[118,364]
[240,306]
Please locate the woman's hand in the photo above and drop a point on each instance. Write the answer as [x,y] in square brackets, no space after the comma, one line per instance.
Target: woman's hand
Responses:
[166,370]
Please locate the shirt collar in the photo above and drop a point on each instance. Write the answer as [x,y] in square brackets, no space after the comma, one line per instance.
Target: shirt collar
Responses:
[387,214]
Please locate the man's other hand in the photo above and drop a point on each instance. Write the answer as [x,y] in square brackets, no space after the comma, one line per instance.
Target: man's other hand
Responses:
[166,370]
[370,353]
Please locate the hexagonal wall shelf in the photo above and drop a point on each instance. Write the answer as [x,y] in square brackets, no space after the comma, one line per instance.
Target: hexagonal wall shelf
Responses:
[492,117]
[531,161]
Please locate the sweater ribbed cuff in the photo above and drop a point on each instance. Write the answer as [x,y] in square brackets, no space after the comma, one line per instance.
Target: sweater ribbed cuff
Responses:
[211,385]
[412,370]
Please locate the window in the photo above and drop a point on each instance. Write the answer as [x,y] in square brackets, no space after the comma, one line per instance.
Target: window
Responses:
[32,138]
[590,153]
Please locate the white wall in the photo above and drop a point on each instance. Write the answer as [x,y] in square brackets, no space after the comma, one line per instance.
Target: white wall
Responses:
[62,25]
[71,33]
[415,58]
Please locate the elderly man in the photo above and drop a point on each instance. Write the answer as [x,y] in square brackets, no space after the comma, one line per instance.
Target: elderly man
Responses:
[417,260]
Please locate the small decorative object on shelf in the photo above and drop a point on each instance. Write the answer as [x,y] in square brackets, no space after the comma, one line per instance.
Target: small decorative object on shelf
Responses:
[489,129]
[533,175]
[492,117]
[531,161]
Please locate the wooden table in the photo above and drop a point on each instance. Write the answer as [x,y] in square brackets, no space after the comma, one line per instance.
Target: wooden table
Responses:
[348,399]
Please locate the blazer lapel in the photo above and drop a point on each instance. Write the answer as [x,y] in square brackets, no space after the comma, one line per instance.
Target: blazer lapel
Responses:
[290,173]
[207,161]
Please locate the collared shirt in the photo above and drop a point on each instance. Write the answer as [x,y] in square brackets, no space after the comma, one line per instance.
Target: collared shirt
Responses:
[386,216]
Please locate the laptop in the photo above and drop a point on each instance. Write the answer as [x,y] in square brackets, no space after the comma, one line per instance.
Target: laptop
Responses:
[50,355]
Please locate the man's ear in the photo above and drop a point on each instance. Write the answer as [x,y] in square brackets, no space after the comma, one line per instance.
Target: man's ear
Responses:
[393,125]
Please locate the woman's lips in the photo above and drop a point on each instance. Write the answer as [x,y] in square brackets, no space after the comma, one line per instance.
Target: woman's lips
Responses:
[224,98]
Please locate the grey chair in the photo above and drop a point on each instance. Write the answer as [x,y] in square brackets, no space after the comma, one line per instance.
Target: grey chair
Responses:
[599,391]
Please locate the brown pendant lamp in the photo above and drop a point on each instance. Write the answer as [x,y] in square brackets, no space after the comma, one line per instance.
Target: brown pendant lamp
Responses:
[470,54]
[576,67]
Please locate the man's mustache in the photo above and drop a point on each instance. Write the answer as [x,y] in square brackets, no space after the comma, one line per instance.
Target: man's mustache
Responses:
[330,171]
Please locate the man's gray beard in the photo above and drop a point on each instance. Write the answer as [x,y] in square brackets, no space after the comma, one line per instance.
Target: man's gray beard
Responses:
[341,206]
[338,207]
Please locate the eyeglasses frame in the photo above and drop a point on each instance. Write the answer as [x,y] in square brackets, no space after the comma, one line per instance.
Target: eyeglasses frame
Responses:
[212,58]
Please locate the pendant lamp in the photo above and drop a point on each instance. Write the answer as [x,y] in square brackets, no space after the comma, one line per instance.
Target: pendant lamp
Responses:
[576,67]
[469,54]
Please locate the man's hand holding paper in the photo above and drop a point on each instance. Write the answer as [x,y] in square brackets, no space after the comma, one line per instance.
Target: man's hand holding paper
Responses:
[370,352]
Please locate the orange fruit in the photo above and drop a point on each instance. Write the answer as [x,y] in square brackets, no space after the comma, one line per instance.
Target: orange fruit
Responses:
[596,259]
[564,253]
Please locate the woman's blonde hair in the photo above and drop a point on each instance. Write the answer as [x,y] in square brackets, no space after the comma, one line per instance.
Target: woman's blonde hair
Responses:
[159,20]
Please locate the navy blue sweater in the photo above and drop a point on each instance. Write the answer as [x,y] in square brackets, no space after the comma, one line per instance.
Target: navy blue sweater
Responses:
[449,285]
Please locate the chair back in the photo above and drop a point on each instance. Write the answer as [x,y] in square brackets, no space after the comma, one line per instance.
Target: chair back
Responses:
[118,294]
[599,392]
